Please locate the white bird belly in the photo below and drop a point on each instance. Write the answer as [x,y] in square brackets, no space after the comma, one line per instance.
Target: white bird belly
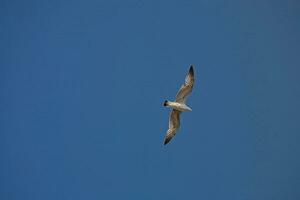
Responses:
[179,106]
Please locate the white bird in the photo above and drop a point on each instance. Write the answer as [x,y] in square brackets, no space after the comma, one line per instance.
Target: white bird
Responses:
[179,105]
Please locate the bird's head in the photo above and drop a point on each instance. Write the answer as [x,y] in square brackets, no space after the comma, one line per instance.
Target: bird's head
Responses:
[165,102]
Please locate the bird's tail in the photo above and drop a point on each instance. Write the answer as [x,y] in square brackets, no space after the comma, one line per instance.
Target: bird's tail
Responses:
[166,103]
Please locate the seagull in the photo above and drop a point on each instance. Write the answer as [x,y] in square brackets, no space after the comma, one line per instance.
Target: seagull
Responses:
[179,105]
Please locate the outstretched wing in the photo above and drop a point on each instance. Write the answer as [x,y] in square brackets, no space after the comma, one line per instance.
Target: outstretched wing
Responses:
[187,87]
[174,123]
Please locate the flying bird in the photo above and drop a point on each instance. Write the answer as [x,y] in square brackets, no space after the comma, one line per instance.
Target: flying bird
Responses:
[179,105]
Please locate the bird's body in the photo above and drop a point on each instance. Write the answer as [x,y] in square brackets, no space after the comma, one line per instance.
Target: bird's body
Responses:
[179,105]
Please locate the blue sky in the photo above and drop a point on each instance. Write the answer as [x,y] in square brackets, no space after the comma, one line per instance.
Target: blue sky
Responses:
[82,85]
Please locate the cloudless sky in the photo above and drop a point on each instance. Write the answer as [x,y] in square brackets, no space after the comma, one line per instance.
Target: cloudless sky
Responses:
[82,85]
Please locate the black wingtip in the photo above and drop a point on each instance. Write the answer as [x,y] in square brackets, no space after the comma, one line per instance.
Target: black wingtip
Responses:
[167,140]
[191,71]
